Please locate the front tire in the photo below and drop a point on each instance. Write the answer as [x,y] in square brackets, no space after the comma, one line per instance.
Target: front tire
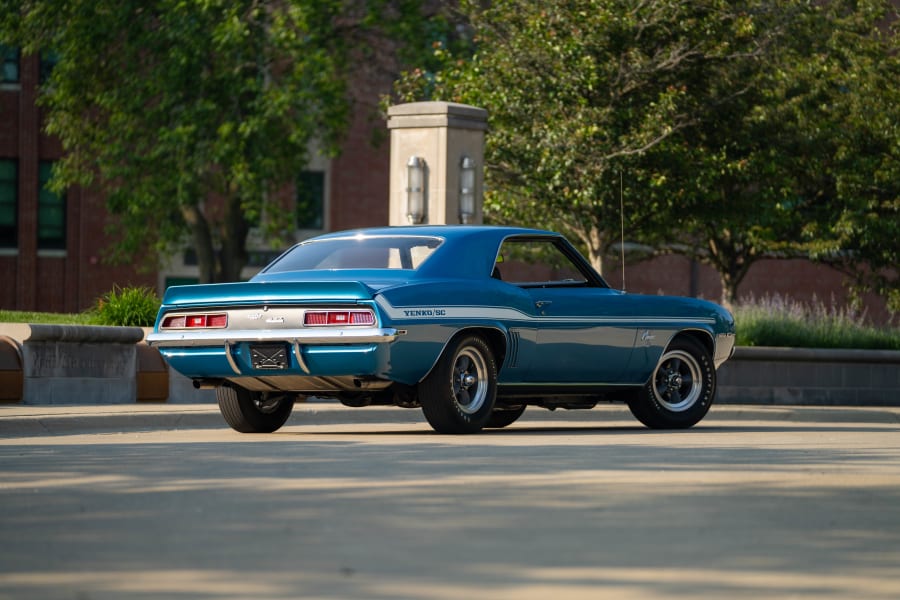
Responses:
[254,412]
[681,389]
[458,395]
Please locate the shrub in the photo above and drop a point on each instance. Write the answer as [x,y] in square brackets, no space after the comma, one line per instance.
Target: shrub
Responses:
[130,306]
[777,321]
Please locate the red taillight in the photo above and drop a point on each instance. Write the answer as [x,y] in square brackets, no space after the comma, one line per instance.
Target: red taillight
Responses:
[199,321]
[338,318]
[362,317]
[217,321]
[173,322]
[315,318]
[318,318]
[195,321]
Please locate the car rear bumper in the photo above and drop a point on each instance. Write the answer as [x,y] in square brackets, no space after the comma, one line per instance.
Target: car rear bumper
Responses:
[331,352]
[220,337]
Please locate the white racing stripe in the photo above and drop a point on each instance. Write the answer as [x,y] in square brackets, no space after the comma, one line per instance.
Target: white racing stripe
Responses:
[500,313]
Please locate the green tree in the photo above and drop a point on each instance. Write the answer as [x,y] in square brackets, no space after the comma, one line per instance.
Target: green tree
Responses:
[718,117]
[860,232]
[779,170]
[578,92]
[191,115]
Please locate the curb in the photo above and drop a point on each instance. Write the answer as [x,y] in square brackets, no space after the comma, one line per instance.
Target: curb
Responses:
[28,421]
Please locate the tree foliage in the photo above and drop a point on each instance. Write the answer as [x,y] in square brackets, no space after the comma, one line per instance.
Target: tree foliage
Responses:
[859,232]
[719,117]
[769,174]
[191,115]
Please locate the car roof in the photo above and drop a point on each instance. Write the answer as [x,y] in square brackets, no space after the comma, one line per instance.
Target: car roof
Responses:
[443,231]
[467,251]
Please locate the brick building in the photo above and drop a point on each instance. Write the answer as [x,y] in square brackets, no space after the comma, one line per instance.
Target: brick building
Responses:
[52,246]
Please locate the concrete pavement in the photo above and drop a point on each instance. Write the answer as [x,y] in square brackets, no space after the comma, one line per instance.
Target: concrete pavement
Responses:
[754,502]
[25,420]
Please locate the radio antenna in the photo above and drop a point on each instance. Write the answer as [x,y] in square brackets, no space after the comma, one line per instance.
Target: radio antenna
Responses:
[622,221]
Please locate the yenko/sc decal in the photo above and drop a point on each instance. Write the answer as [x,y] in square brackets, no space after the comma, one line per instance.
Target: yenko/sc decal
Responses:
[426,312]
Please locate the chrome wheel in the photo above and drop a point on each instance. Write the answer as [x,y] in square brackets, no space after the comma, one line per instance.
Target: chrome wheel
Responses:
[468,373]
[677,381]
[681,389]
[458,395]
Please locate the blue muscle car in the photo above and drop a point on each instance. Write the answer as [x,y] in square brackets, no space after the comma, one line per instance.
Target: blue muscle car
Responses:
[470,323]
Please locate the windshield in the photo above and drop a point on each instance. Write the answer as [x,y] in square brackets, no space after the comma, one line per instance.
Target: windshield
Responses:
[358,252]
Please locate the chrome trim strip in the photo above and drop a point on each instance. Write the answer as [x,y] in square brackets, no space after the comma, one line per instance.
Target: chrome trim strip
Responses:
[220,337]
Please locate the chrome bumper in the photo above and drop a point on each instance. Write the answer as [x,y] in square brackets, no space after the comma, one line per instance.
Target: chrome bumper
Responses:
[724,348]
[295,337]
[221,337]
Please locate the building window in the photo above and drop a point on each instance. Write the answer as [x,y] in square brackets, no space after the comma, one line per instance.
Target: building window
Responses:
[51,213]
[311,200]
[9,67]
[9,204]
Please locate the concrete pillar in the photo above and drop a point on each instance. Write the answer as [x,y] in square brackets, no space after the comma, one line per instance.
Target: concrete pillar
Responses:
[441,135]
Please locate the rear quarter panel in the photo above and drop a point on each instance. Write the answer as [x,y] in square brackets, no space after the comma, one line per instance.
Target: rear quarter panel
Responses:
[432,312]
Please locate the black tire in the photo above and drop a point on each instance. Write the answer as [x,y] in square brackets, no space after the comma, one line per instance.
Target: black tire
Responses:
[254,412]
[681,389]
[504,416]
[458,395]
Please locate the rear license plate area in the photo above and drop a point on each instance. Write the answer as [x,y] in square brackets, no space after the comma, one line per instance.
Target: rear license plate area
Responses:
[270,357]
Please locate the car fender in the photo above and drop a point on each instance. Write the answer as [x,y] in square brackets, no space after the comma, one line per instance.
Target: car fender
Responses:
[652,343]
[420,347]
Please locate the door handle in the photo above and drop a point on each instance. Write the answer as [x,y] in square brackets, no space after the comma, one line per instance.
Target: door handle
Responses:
[543,303]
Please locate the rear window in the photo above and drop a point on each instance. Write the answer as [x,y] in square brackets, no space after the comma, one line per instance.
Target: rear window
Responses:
[358,252]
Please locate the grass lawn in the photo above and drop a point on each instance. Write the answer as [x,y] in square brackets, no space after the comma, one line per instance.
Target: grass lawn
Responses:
[18,316]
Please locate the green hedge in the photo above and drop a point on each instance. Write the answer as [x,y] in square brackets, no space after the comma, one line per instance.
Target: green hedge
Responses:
[775,321]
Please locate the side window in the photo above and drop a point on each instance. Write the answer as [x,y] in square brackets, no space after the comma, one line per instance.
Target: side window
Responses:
[536,262]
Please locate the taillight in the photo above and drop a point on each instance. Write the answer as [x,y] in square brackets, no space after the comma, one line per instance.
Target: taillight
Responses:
[196,321]
[173,322]
[319,318]
[217,321]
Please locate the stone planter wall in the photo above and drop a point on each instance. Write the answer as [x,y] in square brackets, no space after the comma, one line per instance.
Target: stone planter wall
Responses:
[793,376]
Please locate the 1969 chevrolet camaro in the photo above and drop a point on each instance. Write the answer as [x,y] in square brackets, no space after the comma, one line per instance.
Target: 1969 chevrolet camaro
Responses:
[470,323]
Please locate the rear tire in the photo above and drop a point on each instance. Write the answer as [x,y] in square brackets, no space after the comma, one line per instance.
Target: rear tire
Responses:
[681,389]
[458,395]
[506,416]
[254,412]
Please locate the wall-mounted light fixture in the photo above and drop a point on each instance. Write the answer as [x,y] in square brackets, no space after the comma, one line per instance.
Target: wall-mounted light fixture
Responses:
[415,190]
[466,190]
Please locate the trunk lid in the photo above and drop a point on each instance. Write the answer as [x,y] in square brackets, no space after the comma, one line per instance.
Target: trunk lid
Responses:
[254,293]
